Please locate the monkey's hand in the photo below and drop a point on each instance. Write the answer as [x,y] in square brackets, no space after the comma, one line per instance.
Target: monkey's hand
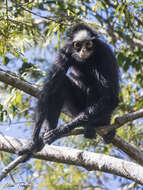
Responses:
[109,136]
[50,136]
[32,147]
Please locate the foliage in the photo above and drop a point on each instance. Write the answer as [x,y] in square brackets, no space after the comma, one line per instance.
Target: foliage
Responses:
[30,32]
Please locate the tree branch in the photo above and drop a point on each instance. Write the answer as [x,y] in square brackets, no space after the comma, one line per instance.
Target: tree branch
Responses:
[88,160]
[16,82]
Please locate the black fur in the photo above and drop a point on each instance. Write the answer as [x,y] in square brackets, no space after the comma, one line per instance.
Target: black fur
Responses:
[89,92]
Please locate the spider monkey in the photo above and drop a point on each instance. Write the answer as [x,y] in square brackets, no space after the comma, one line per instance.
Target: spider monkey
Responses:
[89,91]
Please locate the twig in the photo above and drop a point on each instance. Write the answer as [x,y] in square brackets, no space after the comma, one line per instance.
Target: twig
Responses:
[12,165]
[44,17]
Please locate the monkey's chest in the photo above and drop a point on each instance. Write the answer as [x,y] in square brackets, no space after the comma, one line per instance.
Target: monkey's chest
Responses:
[85,77]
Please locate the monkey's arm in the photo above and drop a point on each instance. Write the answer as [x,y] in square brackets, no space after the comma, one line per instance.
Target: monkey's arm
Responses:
[55,77]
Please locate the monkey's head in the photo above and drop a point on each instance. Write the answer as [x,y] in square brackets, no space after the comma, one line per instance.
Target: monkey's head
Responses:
[82,37]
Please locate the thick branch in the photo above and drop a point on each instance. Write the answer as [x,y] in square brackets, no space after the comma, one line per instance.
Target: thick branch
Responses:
[88,160]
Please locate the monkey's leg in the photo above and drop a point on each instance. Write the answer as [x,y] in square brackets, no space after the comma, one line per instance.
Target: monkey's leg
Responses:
[74,102]
[104,120]
[55,104]
[50,114]
[45,111]
[65,97]
[32,146]
[89,131]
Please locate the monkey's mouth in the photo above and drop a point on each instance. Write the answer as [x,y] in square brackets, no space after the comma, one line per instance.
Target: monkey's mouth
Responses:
[81,57]
[85,55]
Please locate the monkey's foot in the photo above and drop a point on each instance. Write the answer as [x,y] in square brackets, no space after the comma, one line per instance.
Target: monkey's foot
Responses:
[89,133]
[50,137]
[109,136]
[27,149]
[32,147]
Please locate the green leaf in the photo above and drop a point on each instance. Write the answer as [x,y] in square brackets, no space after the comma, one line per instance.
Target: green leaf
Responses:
[121,13]
[139,3]
[117,9]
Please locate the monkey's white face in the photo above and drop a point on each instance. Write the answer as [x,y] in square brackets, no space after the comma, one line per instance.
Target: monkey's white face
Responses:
[82,45]
[83,48]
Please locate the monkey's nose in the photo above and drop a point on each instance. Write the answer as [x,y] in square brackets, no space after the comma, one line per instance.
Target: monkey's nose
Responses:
[84,50]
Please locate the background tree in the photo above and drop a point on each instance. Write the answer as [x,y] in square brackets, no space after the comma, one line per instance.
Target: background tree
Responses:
[30,34]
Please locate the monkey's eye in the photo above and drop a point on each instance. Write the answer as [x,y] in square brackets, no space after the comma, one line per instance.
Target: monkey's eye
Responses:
[77,45]
[89,44]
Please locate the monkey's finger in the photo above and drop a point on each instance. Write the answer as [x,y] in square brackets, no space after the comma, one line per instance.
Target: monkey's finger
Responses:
[49,138]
